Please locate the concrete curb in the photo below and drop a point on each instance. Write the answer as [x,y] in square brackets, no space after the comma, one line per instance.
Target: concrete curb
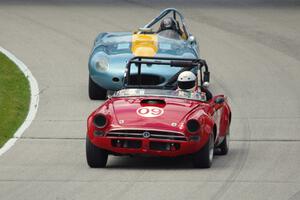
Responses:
[34,101]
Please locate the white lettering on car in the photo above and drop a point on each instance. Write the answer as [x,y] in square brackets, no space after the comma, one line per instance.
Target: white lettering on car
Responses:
[149,111]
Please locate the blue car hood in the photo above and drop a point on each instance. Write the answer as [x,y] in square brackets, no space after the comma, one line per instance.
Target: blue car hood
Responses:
[118,45]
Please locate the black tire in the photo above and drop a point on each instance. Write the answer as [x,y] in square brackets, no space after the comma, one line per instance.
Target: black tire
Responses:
[95,156]
[224,146]
[95,91]
[204,157]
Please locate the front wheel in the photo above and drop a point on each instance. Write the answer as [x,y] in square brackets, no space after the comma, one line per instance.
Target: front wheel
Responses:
[95,91]
[95,156]
[204,157]
[224,146]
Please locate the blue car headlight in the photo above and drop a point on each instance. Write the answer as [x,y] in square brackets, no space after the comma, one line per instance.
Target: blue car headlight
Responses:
[102,64]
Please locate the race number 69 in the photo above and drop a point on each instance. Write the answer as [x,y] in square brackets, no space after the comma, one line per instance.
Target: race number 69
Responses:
[149,111]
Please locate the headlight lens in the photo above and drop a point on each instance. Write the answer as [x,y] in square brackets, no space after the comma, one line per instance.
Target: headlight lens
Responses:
[193,126]
[102,64]
[100,121]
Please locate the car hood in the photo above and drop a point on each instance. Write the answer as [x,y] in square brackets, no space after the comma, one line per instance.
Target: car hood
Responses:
[120,44]
[133,113]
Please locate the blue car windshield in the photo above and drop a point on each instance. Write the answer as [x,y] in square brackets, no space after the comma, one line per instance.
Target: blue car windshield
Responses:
[141,92]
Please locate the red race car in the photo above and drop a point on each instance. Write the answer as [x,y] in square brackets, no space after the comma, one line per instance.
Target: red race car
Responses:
[161,119]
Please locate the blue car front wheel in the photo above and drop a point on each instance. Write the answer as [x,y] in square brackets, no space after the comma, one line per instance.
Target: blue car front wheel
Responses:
[95,91]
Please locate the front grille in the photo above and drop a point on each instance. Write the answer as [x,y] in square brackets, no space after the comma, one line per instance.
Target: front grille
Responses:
[162,135]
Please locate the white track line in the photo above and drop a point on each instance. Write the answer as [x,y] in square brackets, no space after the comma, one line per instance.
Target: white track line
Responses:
[34,100]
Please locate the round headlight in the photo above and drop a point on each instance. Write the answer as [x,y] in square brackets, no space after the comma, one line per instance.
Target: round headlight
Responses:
[193,126]
[102,65]
[100,121]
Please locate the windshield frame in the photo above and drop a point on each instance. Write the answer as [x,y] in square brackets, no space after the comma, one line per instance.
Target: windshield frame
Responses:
[142,94]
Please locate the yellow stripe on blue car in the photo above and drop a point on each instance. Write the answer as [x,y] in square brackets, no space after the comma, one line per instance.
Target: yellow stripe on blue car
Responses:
[144,45]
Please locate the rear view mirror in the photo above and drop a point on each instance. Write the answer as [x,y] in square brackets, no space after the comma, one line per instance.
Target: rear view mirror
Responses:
[219,100]
[205,84]
[191,39]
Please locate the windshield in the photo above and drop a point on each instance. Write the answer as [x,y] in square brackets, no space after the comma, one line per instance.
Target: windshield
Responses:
[159,93]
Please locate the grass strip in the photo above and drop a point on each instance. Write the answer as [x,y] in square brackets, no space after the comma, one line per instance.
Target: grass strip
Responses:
[14,98]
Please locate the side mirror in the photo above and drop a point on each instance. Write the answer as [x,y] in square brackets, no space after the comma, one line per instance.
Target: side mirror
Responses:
[191,39]
[206,79]
[219,100]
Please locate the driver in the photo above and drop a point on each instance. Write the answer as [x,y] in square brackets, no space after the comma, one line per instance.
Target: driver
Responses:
[168,28]
[168,23]
[187,86]
[186,81]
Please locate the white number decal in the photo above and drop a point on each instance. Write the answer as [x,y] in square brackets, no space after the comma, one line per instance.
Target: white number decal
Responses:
[149,111]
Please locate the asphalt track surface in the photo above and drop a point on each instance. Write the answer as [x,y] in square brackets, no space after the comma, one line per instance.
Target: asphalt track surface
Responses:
[253,50]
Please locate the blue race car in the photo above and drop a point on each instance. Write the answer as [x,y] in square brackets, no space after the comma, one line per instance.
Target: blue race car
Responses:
[164,36]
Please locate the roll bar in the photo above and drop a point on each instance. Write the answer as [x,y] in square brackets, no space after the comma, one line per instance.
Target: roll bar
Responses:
[185,63]
[166,12]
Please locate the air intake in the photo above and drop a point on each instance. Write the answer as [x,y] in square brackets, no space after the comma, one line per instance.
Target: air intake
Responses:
[153,101]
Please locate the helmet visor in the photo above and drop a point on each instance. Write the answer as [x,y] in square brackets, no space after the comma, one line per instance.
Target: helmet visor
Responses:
[184,85]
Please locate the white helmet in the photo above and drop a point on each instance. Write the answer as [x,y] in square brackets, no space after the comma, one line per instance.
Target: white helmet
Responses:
[186,80]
